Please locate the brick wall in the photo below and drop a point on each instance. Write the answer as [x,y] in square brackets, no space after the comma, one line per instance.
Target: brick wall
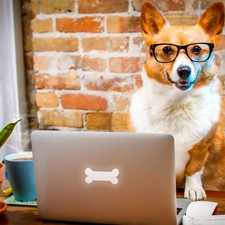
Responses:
[84,58]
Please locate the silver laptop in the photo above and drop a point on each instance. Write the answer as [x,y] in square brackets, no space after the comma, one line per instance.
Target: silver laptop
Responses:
[106,177]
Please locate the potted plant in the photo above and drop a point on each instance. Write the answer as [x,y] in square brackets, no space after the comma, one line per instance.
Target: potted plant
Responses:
[4,135]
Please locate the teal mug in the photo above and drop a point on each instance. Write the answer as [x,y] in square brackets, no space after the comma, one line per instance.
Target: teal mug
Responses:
[20,173]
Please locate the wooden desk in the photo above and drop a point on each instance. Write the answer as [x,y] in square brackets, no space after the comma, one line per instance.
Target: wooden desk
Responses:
[28,215]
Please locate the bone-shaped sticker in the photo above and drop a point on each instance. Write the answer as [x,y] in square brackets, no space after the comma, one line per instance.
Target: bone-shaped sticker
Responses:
[101,176]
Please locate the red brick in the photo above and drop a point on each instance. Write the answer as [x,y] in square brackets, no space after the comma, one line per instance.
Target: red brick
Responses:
[94,43]
[163,5]
[62,81]
[102,6]
[119,121]
[123,24]
[93,64]
[70,62]
[177,20]
[55,44]
[84,63]
[60,118]
[84,102]
[121,102]
[171,5]
[42,26]
[52,6]
[112,44]
[42,63]
[118,84]
[119,44]
[137,4]
[126,65]
[46,99]
[204,4]
[86,24]
[139,44]
[98,121]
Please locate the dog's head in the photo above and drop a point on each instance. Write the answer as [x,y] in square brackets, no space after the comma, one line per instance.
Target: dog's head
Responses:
[181,56]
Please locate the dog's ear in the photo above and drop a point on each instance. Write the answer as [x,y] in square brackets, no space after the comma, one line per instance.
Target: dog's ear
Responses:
[212,21]
[152,21]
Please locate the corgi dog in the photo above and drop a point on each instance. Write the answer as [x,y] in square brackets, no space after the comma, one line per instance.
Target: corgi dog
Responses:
[181,96]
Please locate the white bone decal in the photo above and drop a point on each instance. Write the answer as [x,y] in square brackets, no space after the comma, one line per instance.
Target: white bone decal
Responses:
[101,176]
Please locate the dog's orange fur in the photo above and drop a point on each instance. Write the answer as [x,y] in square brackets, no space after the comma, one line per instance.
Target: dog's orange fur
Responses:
[214,173]
[209,152]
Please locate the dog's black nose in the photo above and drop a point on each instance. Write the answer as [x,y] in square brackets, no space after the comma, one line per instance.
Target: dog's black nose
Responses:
[184,72]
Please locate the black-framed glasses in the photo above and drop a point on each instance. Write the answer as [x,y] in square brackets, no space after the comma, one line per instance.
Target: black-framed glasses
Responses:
[196,52]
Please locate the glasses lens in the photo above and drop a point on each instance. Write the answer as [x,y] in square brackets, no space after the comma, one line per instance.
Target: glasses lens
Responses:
[165,53]
[199,52]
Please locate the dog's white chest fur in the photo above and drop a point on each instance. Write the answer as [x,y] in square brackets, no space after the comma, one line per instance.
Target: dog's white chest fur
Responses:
[188,116]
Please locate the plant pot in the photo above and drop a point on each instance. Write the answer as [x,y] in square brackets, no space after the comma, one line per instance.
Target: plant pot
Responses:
[3,207]
[2,174]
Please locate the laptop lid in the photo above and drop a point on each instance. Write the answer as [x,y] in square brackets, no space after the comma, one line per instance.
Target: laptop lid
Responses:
[105,177]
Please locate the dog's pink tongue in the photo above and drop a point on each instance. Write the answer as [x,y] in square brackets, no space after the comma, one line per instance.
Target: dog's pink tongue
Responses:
[183,82]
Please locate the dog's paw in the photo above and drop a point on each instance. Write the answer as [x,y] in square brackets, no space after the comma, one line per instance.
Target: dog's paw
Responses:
[195,193]
[193,187]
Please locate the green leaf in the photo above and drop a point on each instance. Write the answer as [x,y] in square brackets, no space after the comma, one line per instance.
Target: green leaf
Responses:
[6,132]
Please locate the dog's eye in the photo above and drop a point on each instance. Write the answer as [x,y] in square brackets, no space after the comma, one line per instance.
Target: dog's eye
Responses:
[196,50]
[168,50]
